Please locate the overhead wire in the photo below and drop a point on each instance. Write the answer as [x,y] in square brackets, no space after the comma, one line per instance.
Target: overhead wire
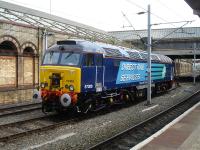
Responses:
[170,33]
[124,15]
[177,14]
[167,7]
[137,5]
[155,24]
[166,22]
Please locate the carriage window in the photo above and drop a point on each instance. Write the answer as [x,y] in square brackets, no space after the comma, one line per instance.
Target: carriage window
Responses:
[99,60]
[89,60]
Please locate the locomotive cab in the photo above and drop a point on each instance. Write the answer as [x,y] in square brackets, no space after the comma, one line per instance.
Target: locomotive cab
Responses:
[60,78]
[68,71]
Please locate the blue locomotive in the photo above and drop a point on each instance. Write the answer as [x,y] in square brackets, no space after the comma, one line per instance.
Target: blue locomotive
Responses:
[90,75]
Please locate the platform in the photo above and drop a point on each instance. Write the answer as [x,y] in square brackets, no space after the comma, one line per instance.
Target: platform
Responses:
[183,135]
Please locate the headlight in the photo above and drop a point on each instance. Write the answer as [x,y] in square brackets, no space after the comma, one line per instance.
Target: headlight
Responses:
[42,85]
[66,86]
[71,88]
[45,84]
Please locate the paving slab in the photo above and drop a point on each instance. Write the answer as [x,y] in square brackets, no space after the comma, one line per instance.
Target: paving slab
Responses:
[184,135]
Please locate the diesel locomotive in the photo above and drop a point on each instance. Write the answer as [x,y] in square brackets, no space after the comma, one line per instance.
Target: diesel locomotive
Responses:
[88,76]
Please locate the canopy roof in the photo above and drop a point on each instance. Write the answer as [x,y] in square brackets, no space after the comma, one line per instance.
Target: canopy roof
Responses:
[19,14]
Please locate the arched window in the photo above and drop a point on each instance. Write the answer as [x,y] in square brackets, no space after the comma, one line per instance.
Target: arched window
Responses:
[28,66]
[8,64]
[29,51]
[8,46]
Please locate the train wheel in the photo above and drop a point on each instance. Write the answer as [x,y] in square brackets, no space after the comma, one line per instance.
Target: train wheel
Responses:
[128,96]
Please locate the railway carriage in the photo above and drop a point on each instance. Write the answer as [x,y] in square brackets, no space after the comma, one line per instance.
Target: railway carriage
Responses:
[183,68]
[85,75]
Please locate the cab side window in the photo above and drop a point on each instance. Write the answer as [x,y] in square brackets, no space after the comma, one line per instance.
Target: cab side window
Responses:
[89,60]
[99,60]
[116,63]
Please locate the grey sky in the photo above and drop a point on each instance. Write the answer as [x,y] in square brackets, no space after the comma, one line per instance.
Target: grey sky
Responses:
[107,14]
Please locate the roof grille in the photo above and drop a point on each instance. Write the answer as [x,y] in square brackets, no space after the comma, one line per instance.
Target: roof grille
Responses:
[154,57]
[144,56]
[68,42]
[133,55]
[113,52]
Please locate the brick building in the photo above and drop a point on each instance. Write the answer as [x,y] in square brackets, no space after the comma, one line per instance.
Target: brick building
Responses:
[24,34]
[20,55]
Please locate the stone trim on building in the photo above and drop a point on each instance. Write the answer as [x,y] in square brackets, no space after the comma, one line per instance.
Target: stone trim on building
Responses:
[29,44]
[11,39]
[22,37]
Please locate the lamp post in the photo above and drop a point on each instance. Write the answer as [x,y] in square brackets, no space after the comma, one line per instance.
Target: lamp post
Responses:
[149,57]
[45,40]
[50,6]
[194,64]
[149,53]
[149,42]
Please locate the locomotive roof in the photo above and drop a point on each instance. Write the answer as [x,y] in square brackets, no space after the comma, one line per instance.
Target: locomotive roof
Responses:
[107,50]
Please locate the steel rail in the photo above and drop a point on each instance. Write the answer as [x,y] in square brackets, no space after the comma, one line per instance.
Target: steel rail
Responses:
[51,125]
[41,121]
[14,110]
[110,140]
[44,123]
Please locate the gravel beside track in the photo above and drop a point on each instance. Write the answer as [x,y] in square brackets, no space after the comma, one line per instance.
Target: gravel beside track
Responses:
[136,134]
[91,131]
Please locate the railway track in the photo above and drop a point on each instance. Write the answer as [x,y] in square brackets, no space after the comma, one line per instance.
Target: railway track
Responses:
[21,128]
[14,130]
[15,110]
[19,109]
[136,134]
[11,131]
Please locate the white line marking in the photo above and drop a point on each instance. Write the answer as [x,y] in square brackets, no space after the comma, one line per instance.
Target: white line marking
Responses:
[188,90]
[173,95]
[145,142]
[152,107]
[51,141]
[103,124]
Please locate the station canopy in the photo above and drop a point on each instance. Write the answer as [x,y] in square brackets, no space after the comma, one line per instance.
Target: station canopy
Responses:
[19,14]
